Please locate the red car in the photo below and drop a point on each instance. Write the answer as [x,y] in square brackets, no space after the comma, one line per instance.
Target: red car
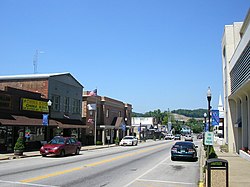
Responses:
[61,146]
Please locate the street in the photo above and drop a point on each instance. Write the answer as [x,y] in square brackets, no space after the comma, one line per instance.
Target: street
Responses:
[147,164]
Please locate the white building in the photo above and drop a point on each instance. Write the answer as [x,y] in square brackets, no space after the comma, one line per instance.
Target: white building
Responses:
[236,83]
[142,124]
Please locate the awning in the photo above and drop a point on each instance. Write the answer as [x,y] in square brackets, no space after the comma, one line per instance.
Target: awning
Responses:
[71,126]
[14,120]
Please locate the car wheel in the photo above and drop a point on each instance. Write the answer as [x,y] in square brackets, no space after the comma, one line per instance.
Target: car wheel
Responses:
[62,153]
[43,155]
[77,151]
[132,143]
[173,158]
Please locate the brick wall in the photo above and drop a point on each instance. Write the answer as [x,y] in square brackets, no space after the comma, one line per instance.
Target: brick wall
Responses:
[39,86]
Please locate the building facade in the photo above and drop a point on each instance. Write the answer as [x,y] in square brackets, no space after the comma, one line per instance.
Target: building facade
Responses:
[236,83]
[144,127]
[62,89]
[112,117]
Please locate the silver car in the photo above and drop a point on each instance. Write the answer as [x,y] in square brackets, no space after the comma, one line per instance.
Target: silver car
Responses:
[188,137]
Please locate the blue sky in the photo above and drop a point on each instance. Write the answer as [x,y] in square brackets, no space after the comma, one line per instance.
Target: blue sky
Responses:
[154,54]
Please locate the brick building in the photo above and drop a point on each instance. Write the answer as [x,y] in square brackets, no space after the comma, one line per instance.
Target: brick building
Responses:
[62,89]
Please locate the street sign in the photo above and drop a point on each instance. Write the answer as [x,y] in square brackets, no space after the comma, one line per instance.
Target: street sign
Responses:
[209,138]
[123,127]
[206,127]
[215,117]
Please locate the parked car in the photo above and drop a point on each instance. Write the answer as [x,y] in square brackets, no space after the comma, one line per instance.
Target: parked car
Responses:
[177,137]
[129,140]
[199,136]
[188,137]
[169,137]
[61,146]
[184,150]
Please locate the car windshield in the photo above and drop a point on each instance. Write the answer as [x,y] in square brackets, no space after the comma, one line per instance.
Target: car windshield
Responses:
[57,140]
[183,144]
[128,138]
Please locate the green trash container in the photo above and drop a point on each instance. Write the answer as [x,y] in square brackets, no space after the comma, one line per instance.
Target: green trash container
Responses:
[216,172]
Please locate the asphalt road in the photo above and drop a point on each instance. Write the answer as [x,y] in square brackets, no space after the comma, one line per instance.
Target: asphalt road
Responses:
[147,164]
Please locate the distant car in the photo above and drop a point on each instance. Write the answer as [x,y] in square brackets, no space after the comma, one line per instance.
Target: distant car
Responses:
[188,137]
[61,146]
[177,137]
[184,150]
[169,137]
[199,136]
[129,140]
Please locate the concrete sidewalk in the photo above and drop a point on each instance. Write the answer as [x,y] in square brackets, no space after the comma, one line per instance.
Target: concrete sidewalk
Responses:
[239,168]
[9,156]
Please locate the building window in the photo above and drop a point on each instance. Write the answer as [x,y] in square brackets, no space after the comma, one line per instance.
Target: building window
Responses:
[107,113]
[76,106]
[56,103]
[120,113]
[66,104]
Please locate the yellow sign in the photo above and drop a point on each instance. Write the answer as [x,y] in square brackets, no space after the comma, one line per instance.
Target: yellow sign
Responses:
[34,105]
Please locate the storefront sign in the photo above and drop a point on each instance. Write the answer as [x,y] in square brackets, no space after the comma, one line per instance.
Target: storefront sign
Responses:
[34,105]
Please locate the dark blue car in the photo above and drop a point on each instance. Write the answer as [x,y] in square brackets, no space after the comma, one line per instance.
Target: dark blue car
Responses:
[184,150]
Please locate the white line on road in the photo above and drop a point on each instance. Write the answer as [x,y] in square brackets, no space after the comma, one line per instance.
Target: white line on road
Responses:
[172,182]
[29,184]
[138,178]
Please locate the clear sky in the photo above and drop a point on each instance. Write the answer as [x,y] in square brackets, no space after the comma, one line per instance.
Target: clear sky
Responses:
[153,54]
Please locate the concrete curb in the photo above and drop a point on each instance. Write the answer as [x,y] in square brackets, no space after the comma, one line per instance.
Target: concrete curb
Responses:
[202,163]
[37,153]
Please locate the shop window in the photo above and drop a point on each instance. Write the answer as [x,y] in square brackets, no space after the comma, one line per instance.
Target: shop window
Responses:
[66,104]
[76,106]
[56,103]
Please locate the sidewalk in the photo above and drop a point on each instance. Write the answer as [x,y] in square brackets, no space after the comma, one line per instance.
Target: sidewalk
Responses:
[10,156]
[239,168]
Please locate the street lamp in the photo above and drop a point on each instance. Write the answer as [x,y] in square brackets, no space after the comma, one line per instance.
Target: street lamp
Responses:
[46,128]
[140,132]
[205,120]
[209,96]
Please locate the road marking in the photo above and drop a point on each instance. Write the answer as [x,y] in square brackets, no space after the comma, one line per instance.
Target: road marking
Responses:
[88,165]
[138,178]
[172,182]
[29,184]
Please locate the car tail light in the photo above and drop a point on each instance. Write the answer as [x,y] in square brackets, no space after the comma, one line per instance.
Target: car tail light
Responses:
[174,150]
[191,150]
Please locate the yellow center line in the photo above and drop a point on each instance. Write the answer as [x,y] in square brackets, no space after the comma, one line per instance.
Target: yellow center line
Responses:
[88,165]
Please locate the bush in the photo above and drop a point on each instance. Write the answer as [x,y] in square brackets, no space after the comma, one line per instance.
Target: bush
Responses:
[117,141]
[212,153]
[19,144]
[224,148]
[99,143]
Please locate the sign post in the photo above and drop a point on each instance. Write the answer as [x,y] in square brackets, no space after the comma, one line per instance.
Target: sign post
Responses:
[209,138]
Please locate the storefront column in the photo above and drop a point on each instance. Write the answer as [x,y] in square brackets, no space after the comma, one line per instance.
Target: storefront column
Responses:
[117,134]
[248,119]
[244,121]
[238,119]
[103,136]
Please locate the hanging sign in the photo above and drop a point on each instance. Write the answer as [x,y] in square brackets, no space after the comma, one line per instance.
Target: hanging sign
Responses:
[45,119]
